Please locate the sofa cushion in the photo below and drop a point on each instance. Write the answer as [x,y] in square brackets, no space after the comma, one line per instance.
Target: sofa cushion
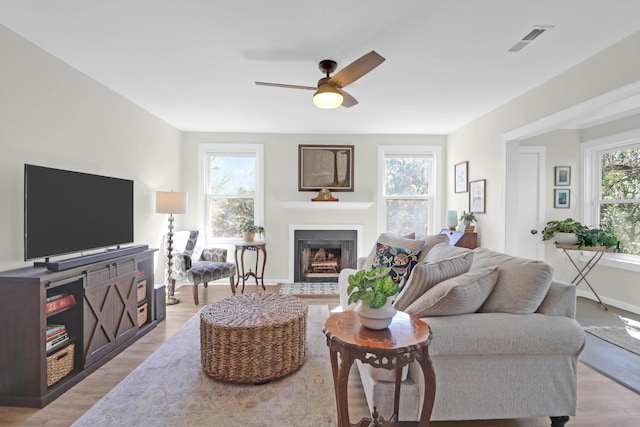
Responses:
[459,295]
[425,276]
[430,242]
[396,258]
[444,250]
[521,286]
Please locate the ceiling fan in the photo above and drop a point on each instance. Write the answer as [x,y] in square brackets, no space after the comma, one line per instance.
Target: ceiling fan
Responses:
[329,93]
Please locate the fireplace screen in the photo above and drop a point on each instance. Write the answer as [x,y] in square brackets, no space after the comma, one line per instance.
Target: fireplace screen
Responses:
[321,254]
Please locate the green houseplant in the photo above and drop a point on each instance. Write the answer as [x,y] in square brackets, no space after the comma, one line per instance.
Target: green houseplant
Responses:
[468,217]
[568,225]
[249,231]
[372,291]
[598,237]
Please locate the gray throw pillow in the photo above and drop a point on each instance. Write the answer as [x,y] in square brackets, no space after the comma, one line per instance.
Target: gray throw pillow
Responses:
[463,294]
[425,276]
[521,286]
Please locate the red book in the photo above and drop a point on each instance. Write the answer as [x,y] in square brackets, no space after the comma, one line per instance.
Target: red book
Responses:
[60,303]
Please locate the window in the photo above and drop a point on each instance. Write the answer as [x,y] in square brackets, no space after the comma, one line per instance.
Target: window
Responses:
[612,190]
[408,186]
[232,193]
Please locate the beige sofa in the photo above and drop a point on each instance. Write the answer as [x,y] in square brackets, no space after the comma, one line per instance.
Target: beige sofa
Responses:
[513,354]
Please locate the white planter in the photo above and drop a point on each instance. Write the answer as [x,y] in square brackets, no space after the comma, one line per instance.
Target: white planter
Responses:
[376,318]
[248,236]
[566,238]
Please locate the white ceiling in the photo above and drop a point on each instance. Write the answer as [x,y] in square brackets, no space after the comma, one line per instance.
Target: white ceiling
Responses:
[193,63]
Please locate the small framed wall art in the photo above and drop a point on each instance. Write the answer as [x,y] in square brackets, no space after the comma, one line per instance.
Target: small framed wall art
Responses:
[561,198]
[477,196]
[327,167]
[563,176]
[461,177]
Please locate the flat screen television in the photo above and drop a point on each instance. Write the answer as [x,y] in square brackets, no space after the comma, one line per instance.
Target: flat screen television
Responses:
[68,212]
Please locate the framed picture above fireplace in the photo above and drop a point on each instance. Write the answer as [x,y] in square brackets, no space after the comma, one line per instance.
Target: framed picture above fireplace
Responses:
[325,166]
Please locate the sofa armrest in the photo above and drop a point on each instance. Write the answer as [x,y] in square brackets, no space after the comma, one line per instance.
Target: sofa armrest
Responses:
[560,300]
[343,285]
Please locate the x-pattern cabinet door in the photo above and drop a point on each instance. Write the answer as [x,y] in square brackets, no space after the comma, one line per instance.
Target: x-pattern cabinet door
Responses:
[110,311]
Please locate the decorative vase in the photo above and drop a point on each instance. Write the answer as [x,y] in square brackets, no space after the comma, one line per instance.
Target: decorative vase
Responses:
[248,236]
[376,318]
[566,238]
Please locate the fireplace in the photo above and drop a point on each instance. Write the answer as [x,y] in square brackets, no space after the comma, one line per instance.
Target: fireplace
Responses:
[319,255]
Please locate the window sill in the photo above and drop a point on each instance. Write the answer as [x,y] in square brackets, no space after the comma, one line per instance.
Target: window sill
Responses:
[613,260]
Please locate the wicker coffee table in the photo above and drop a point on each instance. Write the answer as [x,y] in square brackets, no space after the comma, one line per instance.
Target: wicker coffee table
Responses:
[253,338]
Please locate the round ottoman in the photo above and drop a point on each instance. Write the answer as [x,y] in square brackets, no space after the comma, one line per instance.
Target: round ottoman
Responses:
[253,338]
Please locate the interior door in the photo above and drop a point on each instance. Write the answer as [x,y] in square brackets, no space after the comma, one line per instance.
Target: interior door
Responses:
[525,203]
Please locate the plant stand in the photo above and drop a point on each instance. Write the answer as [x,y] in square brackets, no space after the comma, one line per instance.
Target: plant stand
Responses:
[584,271]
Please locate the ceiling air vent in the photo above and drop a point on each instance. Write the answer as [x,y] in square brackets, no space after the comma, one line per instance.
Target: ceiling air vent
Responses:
[535,33]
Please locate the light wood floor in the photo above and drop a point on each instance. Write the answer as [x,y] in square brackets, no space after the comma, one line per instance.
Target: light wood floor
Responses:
[601,402]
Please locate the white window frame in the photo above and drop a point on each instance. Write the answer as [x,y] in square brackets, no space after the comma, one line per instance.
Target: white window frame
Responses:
[591,188]
[435,205]
[205,151]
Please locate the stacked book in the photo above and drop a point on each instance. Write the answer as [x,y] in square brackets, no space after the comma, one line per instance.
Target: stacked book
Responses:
[56,336]
[58,302]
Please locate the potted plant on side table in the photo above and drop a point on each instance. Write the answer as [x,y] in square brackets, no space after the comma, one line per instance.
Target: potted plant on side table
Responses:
[597,237]
[467,218]
[373,290]
[563,232]
[249,231]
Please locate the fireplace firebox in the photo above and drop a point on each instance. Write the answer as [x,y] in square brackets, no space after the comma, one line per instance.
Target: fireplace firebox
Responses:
[319,255]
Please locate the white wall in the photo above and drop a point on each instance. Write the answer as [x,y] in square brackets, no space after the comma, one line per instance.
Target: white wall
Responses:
[482,143]
[281,185]
[53,115]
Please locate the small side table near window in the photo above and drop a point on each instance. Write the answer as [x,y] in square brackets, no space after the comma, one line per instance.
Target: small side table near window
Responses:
[404,341]
[598,252]
[256,247]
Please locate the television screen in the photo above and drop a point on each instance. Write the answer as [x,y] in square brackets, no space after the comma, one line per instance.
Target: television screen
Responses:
[66,212]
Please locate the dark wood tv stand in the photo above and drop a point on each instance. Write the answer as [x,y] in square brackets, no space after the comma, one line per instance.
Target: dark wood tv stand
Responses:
[106,318]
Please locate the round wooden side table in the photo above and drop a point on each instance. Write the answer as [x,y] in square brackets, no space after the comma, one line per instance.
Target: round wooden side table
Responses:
[404,341]
[256,247]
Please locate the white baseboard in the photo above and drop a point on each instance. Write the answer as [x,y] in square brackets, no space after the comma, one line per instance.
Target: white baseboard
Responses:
[609,301]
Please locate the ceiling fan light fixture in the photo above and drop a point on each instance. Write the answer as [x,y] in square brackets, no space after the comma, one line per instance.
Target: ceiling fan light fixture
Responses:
[327,96]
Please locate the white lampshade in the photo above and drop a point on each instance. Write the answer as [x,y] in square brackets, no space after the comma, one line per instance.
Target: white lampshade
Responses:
[452,219]
[327,96]
[171,202]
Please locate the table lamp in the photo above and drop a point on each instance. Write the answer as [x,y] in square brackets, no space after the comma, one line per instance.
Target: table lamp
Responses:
[170,202]
[452,220]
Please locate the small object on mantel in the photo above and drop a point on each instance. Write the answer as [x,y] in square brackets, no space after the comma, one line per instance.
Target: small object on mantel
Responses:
[324,195]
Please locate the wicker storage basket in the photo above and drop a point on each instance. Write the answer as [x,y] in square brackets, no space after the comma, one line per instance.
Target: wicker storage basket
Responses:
[253,338]
[142,314]
[142,290]
[59,364]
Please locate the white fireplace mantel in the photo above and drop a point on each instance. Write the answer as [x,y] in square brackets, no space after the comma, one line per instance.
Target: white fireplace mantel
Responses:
[325,205]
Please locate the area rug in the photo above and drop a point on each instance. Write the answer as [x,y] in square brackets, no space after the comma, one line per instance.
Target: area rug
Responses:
[171,388]
[618,335]
[310,288]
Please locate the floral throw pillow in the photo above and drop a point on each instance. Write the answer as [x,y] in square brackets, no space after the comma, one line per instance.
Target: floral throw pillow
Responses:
[396,258]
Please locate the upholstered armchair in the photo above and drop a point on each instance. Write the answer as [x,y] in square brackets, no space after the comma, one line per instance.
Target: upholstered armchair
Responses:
[211,265]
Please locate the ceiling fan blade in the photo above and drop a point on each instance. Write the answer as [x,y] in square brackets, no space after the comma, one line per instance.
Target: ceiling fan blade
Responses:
[286,86]
[347,100]
[357,69]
